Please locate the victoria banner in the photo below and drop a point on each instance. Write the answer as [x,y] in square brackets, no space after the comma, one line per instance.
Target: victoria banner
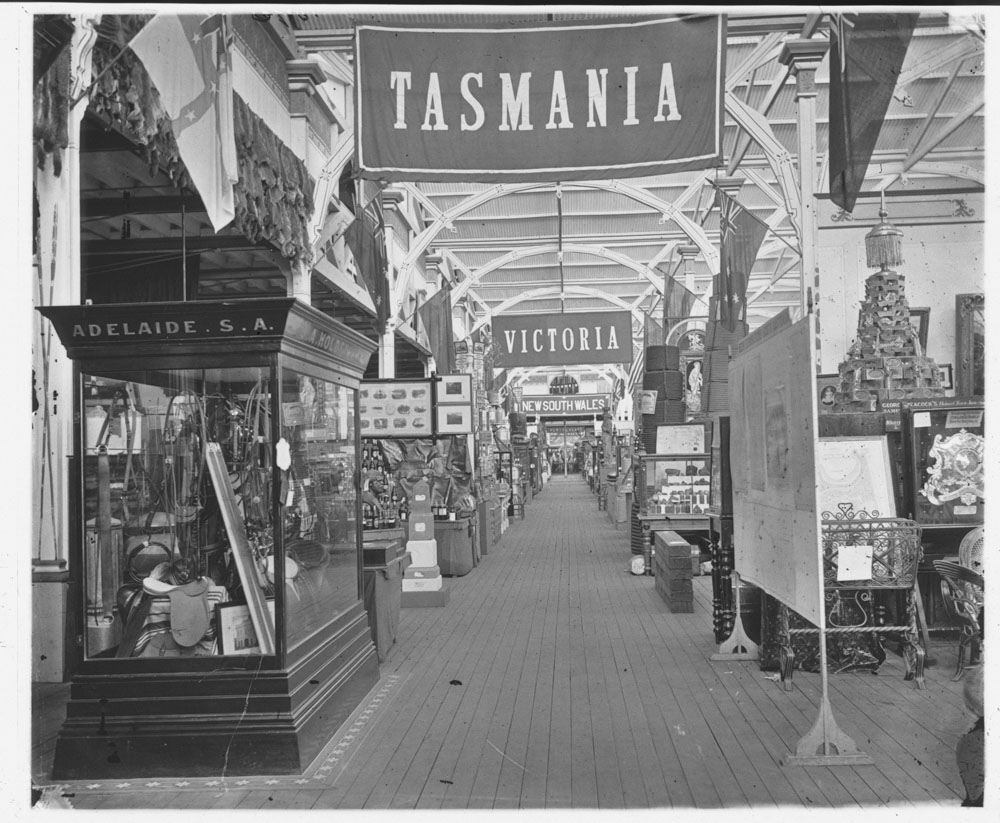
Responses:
[562,339]
[580,101]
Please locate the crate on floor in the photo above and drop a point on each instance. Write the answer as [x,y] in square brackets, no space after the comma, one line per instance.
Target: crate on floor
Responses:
[673,571]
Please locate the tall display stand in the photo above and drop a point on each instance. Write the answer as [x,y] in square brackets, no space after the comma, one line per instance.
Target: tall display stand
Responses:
[774,435]
[217,559]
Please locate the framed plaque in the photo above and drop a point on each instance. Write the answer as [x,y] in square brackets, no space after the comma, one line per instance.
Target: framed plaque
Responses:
[396,408]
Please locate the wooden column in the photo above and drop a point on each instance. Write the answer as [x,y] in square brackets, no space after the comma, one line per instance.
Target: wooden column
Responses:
[803,57]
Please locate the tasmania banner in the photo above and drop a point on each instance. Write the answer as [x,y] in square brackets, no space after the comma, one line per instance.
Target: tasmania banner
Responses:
[562,339]
[578,101]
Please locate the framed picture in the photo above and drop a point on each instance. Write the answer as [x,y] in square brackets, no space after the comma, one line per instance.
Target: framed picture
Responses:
[454,388]
[236,632]
[920,319]
[944,442]
[946,375]
[970,345]
[683,438]
[826,390]
[854,472]
[395,408]
[454,419]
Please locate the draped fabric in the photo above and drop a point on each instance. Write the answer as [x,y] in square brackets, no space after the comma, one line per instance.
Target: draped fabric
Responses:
[435,315]
[866,56]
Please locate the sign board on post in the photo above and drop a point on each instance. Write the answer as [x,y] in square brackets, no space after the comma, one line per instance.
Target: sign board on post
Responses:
[772,447]
[532,103]
[562,339]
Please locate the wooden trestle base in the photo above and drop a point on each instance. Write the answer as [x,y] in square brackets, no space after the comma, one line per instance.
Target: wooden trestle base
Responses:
[826,745]
[217,722]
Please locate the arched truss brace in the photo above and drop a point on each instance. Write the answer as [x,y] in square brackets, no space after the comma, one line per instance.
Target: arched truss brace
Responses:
[445,219]
[654,277]
[690,324]
[329,182]
[610,373]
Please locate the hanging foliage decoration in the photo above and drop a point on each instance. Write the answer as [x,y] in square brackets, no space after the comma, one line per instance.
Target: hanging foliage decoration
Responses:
[50,128]
[273,196]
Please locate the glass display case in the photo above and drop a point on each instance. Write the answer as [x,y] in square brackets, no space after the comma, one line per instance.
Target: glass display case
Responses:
[219,538]
[673,484]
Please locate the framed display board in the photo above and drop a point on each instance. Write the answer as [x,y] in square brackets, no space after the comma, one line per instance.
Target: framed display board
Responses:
[854,472]
[396,408]
[454,388]
[454,419]
[773,422]
[684,438]
[944,445]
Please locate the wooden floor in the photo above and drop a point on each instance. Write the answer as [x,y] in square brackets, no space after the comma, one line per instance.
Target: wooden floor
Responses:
[555,678]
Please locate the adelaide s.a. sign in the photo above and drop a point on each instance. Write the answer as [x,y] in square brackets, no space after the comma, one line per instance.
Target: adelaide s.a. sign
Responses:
[562,339]
[578,101]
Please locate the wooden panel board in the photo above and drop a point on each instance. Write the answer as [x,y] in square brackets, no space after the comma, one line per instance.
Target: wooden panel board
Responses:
[773,434]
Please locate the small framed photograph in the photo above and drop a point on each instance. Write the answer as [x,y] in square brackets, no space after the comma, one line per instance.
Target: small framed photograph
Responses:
[920,319]
[826,391]
[235,628]
[947,375]
[454,388]
[454,419]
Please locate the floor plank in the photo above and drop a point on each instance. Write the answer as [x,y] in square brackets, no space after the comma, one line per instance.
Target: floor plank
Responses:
[580,689]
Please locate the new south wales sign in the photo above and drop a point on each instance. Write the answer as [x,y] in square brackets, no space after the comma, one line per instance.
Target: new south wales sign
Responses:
[562,339]
[566,101]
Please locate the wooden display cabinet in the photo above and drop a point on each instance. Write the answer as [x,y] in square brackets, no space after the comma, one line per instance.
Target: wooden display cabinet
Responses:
[217,561]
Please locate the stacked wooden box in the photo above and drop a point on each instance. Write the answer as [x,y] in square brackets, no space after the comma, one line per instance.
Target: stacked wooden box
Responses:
[663,376]
[673,571]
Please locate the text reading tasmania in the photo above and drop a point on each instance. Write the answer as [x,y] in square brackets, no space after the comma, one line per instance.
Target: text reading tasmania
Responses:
[564,101]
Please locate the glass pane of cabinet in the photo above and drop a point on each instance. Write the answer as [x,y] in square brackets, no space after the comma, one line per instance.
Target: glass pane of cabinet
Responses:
[674,484]
[160,571]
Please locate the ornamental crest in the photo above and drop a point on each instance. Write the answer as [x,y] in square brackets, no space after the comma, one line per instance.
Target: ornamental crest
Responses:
[957,472]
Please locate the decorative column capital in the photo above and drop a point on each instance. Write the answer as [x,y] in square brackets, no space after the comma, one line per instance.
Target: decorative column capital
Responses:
[803,57]
[730,185]
[688,253]
[392,198]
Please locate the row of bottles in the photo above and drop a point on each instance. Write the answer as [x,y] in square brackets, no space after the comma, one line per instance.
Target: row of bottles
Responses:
[378,484]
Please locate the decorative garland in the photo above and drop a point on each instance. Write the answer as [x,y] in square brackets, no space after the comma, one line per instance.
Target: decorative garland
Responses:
[273,196]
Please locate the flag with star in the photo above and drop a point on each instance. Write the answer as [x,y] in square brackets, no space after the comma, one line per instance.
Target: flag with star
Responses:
[866,57]
[365,237]
[741,234]
[188,59]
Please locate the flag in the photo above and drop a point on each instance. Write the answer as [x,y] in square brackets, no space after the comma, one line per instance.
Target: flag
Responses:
[652,332]
[866,56]
[435,315]
[678,301]
[365,237]
[187,57]
[741,234]
[636,370]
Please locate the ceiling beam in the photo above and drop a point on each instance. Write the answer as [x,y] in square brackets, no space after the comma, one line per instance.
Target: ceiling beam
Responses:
[172,244]
[96,207]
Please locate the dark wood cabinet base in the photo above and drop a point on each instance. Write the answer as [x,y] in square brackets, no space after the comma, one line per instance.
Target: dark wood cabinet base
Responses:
[216,722]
